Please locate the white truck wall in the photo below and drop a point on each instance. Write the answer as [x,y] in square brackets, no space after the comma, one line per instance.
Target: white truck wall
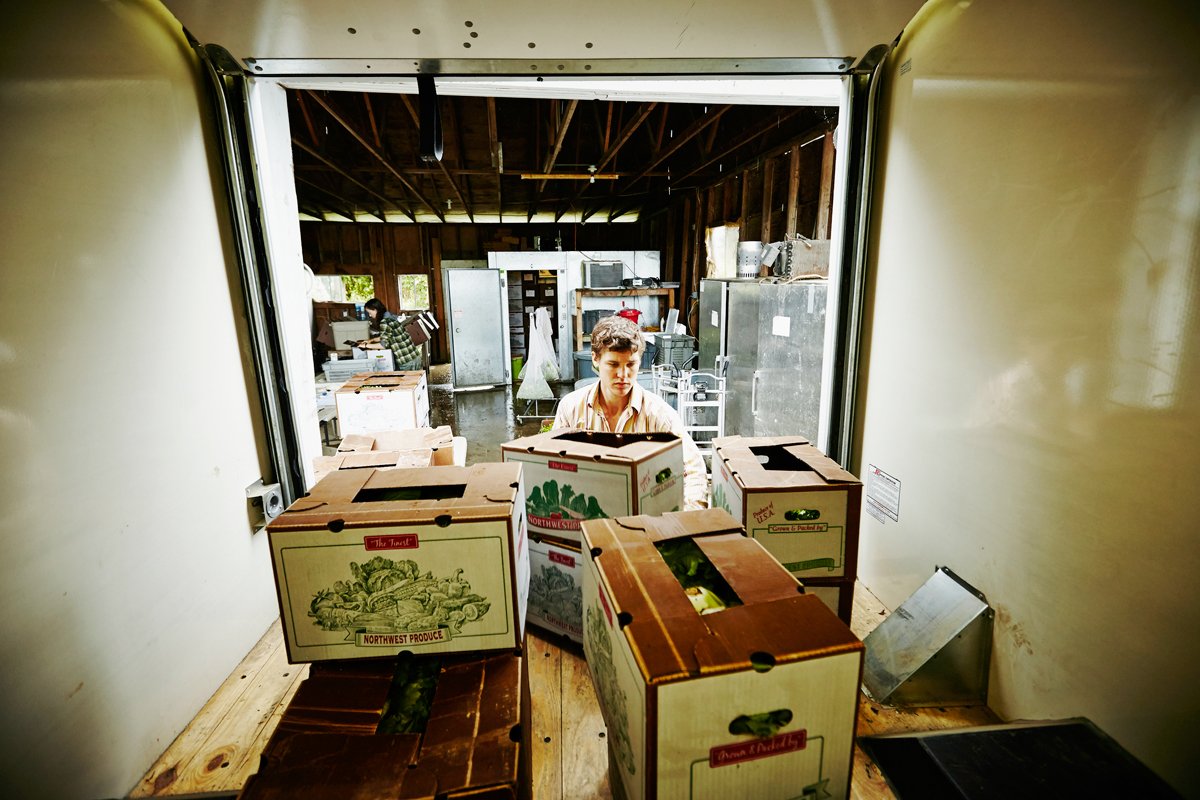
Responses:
[131,580]
[1032,362]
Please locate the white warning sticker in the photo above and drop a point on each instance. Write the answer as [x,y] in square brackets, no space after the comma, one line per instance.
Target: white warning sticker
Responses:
[883,494]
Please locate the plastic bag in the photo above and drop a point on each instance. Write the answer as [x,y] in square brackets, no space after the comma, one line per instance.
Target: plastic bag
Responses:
[541,362]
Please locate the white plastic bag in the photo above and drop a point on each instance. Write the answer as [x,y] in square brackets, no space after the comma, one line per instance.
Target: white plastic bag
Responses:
[541,362]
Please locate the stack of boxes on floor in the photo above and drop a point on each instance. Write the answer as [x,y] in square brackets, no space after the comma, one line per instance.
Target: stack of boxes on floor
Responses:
[406,590]
[718,674]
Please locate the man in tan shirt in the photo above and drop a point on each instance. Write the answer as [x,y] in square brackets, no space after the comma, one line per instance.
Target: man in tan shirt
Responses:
[617,403]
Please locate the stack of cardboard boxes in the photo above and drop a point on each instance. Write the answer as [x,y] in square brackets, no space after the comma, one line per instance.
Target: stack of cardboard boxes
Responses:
[717,672]
[378,570]
[572,476]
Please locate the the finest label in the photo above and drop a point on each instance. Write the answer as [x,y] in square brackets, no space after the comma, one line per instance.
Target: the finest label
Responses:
[566,466]
[392,541]
[562,558]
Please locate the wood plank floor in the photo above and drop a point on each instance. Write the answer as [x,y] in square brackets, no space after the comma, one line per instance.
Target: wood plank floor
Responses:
[219,749]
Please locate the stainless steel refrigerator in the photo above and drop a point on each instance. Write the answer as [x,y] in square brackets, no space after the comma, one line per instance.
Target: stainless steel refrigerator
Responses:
[775,350]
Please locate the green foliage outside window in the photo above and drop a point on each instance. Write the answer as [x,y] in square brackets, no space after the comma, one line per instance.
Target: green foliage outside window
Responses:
[414,292]
[359,288]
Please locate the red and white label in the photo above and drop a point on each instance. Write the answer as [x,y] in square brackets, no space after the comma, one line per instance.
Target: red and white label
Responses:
[392,541]
[565,466]
[554,523]
[562,558]
[738,752]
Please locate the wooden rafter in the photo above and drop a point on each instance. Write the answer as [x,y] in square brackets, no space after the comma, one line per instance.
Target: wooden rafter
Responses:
[608,156]
[741,141]
[378,155]
[371,120]
[407,211]
[563,125]
[452,105]
[308,123]
[693,130]
[497,155]
[412,112]
[347,212]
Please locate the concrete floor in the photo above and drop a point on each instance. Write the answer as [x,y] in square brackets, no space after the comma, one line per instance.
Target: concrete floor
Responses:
[487,418]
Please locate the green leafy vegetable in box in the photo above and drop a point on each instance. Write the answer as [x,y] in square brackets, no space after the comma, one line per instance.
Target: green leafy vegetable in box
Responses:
[548,500]
[705,587]
[385,596]
[410,696]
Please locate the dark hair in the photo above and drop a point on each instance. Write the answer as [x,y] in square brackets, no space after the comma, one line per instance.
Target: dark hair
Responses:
[616,333]
[376,305]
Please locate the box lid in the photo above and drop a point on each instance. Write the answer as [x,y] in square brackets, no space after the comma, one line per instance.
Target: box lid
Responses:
[440,495]
[411,439]
[791,463]
[625,448]
[775,624]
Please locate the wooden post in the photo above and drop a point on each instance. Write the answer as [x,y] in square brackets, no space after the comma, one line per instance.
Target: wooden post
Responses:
[744,203]
[793,196]
[442,350]
[685,233]
[768,198]
[825,202]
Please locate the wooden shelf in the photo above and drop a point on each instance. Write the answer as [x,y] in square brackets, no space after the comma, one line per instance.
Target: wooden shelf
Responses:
[580,338]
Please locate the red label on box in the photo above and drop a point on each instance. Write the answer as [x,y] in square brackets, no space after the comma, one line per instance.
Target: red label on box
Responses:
[566,466]
[554,523]
[394,541]
[736,753]
[562,558]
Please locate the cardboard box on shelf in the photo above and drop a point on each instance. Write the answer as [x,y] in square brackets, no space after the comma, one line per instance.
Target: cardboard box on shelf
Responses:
[798,502]
[375,562]
[372,459]
[573,475]
[439,440]
[756,700]
[475,742]
[556,588]
[383,401]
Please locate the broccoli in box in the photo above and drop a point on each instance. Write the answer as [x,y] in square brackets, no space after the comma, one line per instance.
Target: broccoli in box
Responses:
[716,674]
[574,475]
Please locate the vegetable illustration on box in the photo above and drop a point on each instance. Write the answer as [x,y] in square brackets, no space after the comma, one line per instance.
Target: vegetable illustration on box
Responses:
[548,502]
[386,596]
[554,593]
[612,698]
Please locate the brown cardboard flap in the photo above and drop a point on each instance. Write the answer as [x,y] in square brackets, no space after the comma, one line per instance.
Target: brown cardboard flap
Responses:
[676,524]
[828,469]
[672,641]
[480,492]
[594,445]
[356,443]
[741,461]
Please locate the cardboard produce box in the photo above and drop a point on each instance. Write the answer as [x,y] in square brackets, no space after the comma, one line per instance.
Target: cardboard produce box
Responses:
[474,743]
[836,593]
[376,562]
[440,440]
[383,401]
[573,475]
[556,588]
[800,504]
[758,700]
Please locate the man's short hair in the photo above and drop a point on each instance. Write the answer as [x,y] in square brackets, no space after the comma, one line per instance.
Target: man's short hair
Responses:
[616,333]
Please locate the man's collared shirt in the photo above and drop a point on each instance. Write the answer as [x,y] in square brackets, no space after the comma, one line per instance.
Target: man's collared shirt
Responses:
[646,413]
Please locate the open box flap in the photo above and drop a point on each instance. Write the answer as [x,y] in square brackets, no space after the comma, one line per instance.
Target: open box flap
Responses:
[673,642]
[743,463]
[594,445]
[479,492]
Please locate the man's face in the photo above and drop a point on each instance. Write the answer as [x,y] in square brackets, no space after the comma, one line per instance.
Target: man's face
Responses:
[617,369]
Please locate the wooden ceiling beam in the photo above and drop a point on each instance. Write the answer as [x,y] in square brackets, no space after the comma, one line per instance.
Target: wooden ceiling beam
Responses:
[792,141]
[308,123]
[497,155]
[695,129]
[329,109]
[462,154]
[740,142]
[624,135]
[349,204]
[407,212]
[561,135]
[371,119]
[412,112]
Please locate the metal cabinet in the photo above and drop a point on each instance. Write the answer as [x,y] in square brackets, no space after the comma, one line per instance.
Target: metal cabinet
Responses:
[477,307]
[776,353]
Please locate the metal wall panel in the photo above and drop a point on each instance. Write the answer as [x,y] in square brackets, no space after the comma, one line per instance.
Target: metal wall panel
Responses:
[743,343]
[791,335]
[712,327]
[1032,373]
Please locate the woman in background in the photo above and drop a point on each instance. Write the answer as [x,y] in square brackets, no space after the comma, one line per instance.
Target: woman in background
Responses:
[406,355]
